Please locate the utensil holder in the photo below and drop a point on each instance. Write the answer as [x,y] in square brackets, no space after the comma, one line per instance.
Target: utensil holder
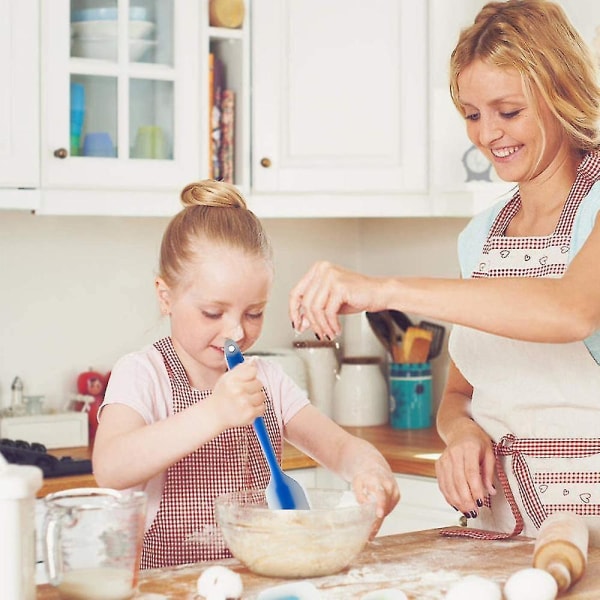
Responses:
[410,395]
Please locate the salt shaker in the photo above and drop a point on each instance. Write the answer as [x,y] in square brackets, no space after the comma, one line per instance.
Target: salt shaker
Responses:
[321,369]
[18,487]
[16,390]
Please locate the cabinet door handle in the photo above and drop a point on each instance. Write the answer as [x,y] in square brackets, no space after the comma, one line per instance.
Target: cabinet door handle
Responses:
[61,153]
[265,162]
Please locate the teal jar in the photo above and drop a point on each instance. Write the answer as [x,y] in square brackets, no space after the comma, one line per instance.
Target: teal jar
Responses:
[410,395]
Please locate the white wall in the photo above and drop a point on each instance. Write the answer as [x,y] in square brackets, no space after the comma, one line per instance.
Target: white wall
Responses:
[77,292]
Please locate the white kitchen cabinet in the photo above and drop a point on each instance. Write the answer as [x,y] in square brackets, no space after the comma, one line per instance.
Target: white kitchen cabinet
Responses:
[453,191]
[421,506]
[145,131]
[19,104]
[338,100]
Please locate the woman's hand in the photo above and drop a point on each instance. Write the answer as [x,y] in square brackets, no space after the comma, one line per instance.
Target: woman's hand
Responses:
[238,397]
[465,470]
[327,291]
[377,483]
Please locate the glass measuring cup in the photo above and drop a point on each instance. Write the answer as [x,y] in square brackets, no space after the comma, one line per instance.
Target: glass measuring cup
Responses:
[92,541]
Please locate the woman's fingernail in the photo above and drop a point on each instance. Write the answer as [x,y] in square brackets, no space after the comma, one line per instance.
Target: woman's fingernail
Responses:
[317,336]
[473,514]
[454,507]
[293,325]
[466,515]
[479,502]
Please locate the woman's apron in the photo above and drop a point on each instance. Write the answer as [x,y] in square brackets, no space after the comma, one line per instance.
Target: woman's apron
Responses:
[184,529]
[539,402]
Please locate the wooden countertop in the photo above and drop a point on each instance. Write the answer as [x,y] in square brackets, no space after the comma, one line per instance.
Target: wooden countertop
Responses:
[410,452]
[423,564]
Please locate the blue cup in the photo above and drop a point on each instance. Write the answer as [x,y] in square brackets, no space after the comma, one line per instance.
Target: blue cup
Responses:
[77,115]
[98,144]
[410,394]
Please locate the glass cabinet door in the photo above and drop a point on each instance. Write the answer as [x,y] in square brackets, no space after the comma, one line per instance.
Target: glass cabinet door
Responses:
[140,33]
[126,83]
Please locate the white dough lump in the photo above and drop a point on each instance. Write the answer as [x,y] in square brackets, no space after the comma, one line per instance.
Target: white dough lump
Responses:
[474,586]
[531,584]
[220,583]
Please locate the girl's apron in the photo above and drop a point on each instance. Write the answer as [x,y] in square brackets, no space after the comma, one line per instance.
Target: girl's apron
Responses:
[539,402]
[184,529]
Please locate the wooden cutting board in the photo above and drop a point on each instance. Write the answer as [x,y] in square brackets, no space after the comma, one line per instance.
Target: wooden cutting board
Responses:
[423,564]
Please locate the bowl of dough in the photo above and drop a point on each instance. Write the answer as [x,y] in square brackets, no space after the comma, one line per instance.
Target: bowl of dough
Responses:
[295,543]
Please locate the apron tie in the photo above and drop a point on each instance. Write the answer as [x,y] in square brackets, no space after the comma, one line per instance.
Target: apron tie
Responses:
[518,448]
[501,449]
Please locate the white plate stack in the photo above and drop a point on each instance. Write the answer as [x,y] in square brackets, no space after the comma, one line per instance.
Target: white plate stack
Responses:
[94,33]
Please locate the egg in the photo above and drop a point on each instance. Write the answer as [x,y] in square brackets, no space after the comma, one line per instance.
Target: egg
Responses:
[474,586]
[531,584]
[219,583]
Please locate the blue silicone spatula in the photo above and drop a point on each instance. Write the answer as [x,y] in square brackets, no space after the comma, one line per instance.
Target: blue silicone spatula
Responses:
[282,492]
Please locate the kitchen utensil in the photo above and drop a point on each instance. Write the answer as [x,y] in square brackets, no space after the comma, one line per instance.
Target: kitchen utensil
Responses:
[92,541]
[295,544]
[402,320]
[282,492]
[438,331]
[383,328]
[416,345]
[561,548]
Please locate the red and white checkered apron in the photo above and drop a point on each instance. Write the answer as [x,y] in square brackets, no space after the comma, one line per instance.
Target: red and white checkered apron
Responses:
[539,402]
[184,529]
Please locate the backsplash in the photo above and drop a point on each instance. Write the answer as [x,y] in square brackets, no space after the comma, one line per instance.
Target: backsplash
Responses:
[78,291]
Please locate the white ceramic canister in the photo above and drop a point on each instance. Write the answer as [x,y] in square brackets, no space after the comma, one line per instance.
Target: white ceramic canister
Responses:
[321,363]
[360,396]
[358,338]
[18,487]
[289,361]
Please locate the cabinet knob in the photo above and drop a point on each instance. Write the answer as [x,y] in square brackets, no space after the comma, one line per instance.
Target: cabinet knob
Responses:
[61,153]
[265,162]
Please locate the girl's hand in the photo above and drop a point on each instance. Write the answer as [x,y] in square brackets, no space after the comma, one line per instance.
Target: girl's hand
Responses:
[465,470]
[377,483]
[238,397]
[327,291]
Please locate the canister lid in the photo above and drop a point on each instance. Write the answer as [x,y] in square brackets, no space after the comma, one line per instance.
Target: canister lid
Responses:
[314,344]
[19,481]
[361,360]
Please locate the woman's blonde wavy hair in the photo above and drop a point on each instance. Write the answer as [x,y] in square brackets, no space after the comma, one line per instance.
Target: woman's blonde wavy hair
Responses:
[536,38]
[214,213]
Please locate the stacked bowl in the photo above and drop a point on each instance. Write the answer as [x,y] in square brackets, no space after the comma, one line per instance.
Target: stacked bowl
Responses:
[94,33]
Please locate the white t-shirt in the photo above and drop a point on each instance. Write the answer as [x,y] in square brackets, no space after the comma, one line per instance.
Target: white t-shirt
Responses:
[140,380]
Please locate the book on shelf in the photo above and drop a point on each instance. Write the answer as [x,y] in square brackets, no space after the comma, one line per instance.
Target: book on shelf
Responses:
[216,81]
[227,149]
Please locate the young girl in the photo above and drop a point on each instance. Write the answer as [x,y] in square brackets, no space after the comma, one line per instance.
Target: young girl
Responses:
[178,425]
[520,414]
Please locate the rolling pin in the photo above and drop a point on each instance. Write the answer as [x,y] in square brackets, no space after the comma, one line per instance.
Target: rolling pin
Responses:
[561,548]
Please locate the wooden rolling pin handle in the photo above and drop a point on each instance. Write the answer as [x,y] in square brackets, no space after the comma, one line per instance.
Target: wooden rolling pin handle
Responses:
[561,548]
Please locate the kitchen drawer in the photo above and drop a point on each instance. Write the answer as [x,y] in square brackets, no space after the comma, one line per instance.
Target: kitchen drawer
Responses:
[421,506]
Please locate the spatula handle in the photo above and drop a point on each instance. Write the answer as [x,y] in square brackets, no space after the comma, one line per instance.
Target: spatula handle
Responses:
[234,357]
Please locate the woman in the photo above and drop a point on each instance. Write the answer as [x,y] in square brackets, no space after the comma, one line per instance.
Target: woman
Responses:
[523,386]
